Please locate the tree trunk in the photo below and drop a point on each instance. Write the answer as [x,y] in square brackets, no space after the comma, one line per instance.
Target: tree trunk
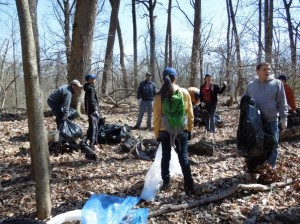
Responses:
[135,52]
[152,38]
[168,42]
[82,39]
[196,43]
[122,56]
[293,47]
[115,5]
[37,136]
[82,42]
[259,58]
[268,30]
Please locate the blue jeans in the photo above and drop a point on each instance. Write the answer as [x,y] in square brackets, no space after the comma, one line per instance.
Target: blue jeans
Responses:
[56,109]
[181,143]
[210,122]
[146,105]
[271,128]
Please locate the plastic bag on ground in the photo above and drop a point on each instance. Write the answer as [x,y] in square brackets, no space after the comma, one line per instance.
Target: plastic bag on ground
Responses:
[70,216]
[153,179]
[113,210]
[70,130]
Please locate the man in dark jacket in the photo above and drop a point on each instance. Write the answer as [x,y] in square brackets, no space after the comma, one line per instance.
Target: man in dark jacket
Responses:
[146,93]
[59,101]
[209,98]
[91,108]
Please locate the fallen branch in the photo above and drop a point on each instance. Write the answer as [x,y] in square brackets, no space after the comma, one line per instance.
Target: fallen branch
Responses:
[224,194]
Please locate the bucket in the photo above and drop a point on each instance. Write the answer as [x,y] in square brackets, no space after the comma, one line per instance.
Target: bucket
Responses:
[53,136]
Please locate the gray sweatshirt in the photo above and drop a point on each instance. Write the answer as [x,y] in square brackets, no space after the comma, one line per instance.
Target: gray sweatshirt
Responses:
[270,97]
[62,96]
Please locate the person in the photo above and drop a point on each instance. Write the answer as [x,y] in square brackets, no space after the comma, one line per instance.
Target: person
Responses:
[91,106]
[146,92]
[269,95]
[195,95]
[208,100]
[162,135]
[289,93]
[59,101]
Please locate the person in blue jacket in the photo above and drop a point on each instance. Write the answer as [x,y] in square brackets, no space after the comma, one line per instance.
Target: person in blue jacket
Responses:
[146,92]
[59,101]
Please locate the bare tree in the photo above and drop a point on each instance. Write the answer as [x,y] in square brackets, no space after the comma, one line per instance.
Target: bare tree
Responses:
[37,136]
[268,20]
[115,5]
[259,58]
[196,43]
[292,36]
[150,5]
[168,41]
[135,52]
[122,58]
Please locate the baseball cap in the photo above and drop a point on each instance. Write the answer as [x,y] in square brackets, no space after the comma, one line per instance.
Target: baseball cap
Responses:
[282,77]
[90,76]
[76,82]
[170,71]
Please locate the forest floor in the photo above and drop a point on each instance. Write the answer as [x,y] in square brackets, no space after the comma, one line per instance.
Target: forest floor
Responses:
[74,178]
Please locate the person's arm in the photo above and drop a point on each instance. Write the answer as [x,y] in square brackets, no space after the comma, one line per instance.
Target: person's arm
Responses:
[139,92]
[220,91]
[67,101]
[93,100]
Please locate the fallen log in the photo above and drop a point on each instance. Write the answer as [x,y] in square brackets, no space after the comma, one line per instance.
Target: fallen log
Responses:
[224,194]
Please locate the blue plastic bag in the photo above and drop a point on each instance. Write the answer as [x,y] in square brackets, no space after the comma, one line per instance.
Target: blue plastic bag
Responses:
[113,210]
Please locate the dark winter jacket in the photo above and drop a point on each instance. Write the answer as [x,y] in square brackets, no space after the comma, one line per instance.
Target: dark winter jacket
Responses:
[146,90]
[90,99]
[214,91]
[62,96]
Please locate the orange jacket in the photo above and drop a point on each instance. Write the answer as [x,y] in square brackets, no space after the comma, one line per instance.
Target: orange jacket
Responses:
[192,91]
[289,93]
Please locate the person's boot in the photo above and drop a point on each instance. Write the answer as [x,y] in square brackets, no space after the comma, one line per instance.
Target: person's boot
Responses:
[189,188]
[166,185]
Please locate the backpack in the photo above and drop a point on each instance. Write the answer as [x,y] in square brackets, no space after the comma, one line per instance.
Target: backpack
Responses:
[173,113]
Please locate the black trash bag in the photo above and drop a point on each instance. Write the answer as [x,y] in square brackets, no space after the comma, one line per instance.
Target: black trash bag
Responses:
[293,120]
[87,150]
[250,134]
[201,114]
[21,221]
[73,114]
[111,133]
[70,130]
[129,144]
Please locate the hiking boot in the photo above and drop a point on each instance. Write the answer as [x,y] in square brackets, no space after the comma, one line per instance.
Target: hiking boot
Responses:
[165,186]
[189,191]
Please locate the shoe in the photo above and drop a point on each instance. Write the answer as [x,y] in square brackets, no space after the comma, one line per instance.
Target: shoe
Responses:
[165,186]
[189,191]
[149,128]
[135,128]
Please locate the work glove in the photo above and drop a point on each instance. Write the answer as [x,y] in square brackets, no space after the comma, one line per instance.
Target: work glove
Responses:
[189,135]
[225,83]
[65,117]
[96,114]
[202,104]
[283,123]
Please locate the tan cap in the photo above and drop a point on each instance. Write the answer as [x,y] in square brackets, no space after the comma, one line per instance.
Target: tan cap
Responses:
[76,82]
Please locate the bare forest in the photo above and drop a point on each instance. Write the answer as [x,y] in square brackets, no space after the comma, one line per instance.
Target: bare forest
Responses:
[44,45]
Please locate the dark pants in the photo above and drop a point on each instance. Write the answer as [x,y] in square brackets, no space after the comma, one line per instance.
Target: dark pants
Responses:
[92,131]
[210,123]
[181,143]
[56,109]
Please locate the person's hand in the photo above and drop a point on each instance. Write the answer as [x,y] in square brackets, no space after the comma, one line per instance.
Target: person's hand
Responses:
[65,117]
[225,83]
[283,123]
[189,135]
[202,104]
[96,114]
[294,112]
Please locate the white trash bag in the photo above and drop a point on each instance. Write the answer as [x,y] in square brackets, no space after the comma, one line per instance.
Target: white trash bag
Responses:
[153,179]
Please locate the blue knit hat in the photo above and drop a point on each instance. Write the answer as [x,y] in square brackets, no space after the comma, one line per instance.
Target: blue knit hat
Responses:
[90,76]
[170,71]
